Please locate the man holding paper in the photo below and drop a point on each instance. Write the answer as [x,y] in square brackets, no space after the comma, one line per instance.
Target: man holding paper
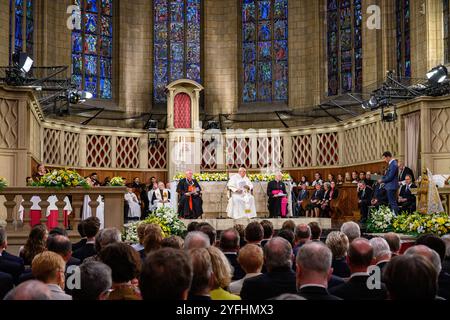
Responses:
[276,191]
[241,203]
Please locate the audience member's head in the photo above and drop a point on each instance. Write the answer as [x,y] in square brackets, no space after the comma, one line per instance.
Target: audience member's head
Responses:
[123,260]
[221,268]
[30,290]
[268,229]
[351,230]
[360,255]
[433,242]
[428,253]
[381,250]
[202,280]
[58,230]
[410,277]
[140,230]
[314,264]
[254,233]
[166,275]
[91,226]
[393,241]
[209,230]
[240,228]
[316,230]
[36,243]
[196,240]
[288,235]
[80,229]
[174,242]
[153,237]
[95,282]
[192,226]
[251,258]
[105,237]
[49,267]
[229,241]
[338,243]
[61,245]
[277,254]
[302,233]
[289,224]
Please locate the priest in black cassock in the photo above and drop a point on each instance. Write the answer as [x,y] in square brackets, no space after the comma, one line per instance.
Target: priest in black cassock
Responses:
[190,203]
[276,191]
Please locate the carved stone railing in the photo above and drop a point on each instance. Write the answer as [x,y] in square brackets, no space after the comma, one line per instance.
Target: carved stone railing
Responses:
[113,198]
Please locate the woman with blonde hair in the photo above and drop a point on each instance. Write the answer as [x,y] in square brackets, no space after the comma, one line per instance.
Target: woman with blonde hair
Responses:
[222,275]
[338,243]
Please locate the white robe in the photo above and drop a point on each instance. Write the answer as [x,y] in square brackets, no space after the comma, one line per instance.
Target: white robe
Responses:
[240,205]
[159,201]
[134,210]
[100,213]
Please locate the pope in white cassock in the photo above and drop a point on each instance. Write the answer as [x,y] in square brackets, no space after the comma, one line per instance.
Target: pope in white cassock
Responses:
[241,203]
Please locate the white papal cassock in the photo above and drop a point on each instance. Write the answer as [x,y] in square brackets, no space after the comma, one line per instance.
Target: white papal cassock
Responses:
[134,210]
[240,205]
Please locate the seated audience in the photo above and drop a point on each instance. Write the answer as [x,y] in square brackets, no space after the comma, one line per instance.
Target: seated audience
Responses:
[140,230]
[289,224]
[268,231]
[209,230]
[35,244]
[254,233]
[240,228]
[91,227]
[351,230]
[302,198]
[166,275]
[379,196]
[203,278]
[347,177]
[406,200]
[6,284]
[404,171]
[304,180]
[325,201]
[104,237]
[355,178]
[229,244]
[364,200]
[369,181]
[95,282]
[313,209]
[394,243]
[251,260]
[288,235]
[61,245]
[125,266]
[192,226]
[174,242]
[340,180]
[49,268]
[313,271]
[58,231]
[279,278]
[381,252]
[83,240]
[330,178]
[153,237]
[302,236]
[32,290]
[196,240]
[411,277]
[9,263]
[338,243]
[316,230]
[360,257]
[221,274]
[317,179]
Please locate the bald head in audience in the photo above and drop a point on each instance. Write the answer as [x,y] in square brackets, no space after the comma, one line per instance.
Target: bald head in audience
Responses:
[277,254]
[360,255]
[351,230]
[394,242]
[302,233]
[196,240]
[428,253]
[30,290]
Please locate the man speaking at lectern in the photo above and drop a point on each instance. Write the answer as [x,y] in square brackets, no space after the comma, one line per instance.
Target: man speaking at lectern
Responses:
[241,203]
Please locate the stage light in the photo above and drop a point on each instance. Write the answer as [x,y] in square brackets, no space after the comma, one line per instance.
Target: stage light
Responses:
[438,74]
[22,61]
[77,97]
[213,125]
[370,104]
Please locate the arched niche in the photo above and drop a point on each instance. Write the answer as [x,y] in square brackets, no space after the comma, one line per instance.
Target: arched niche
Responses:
[183,99]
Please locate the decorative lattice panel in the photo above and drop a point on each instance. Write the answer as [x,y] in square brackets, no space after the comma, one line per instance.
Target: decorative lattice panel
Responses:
[327,149]
[52,146]
[127,152]
[440,130]
[209,155]
[270,152]
[157,154]
[301,151]
[8,123]
[71,156]
[98,151]
[351,146]
[35,138]
[368,151]
[238,153]
[388,137]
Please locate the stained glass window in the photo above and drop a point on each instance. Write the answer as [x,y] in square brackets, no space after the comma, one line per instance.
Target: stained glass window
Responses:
[176,43]
[344,46]
[403,38]
[92,48]
[21,26]
[446,19]
[264,50]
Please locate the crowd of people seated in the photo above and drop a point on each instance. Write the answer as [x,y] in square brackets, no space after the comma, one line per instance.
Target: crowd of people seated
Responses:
[254,262]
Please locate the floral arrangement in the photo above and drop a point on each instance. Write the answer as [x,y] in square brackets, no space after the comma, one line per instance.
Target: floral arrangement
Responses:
[222,176]
[61,179]
[117,182]
[3,183]
[417,223]
[165,217]
[380,220]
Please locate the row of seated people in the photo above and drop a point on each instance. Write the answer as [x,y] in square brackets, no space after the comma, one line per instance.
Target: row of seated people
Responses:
[319,203]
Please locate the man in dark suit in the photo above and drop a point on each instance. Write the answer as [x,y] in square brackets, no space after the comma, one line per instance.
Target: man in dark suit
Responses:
[360,257]
[62,246]
[9,263]
[90,227]
[390,181]
[82,242]
[279,278]
[303,196]
[313,271]
[379,197]
[365,198]
[406,200]
[229,244]
[404,171]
